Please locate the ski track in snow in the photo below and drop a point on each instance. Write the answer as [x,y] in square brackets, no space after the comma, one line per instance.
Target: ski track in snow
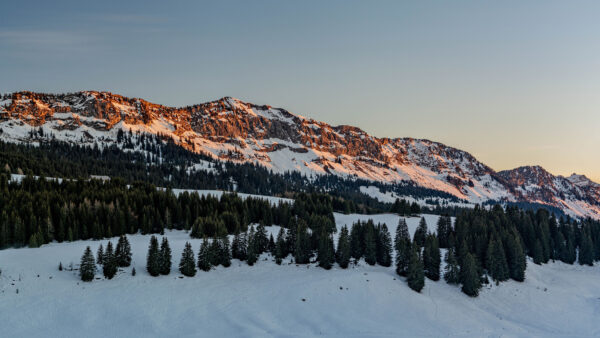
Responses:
[556,300]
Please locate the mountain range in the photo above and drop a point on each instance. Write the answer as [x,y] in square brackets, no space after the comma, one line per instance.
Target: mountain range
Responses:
[229,129]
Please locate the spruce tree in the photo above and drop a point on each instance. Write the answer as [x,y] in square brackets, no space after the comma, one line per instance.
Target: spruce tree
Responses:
[451,271]
[586,250]
[123,252]
[203,255]
[343,249]
[496,261]
[420,233]
[271,247]
[444,230]
[469,277]
[252,250]
[261,239]
[402,245]
[87,268]
[153,257]
[356,240]
[432,258]
[326,255]
[225,253]
[370,245]
[538,254]
[214,252]
[415,274]
[100,254]
[280,246]
[384,247]
[165,257]
[187,265]
[302,251]
[517,262]
[109,268]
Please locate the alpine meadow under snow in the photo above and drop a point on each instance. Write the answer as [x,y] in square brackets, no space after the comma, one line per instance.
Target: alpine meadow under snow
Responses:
[556,300]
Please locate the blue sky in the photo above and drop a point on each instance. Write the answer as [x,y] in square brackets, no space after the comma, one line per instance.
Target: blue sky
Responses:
[513,82]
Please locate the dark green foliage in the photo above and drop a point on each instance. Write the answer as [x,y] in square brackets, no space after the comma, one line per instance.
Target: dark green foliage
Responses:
[432,258]
[280,247]
[271,247]
[469,277]
[451,271]
[496,262]
[187,265]
[87,268]
[252,250]
[123,252]
[370,244]
[415,275]
[420,233]
[357,241]
[326,254]
[153,258]
[538,252]
[261,240]
[225,251]
[203,255]
[384,246]
[444,231]
[100,254]
[109,268]
[343,249]
[165,257]
[586,251]
[517,263]
[303,250]
[402,244]
[239,245]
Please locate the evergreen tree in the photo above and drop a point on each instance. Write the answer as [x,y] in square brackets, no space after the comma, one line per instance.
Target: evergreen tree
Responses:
[402,245]
[271,247]
[432,258]
[420,233]
[356,241]
[153,258]
[415,275]
[252,250]
[444,230]
[538,253]
[302,251]
[451,271]
[109,268]
[343,249]
[469,277]
[280,246]
[123,252]
[384,247]
[326,254]
[517,263]
[87,268]
[165,257]
[187,265]
[214,252]
[261,239]
[100,254]
[496,261]
[586,250]
[133,271]
[225,253]
[203,255]
[370,245]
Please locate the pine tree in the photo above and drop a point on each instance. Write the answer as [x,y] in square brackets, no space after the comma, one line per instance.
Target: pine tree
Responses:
[415,275]
[214,252]
[165,257]
[302,251]
[252,250]
[538,254]
[444,230]
[356,241]
[469,277]
[271,247]
[280,246]
[203,255]
[451,271]
[326,254]
[517,263]
[586,250]
[402,245]
[370,245]
[153,258]
[343,249]
[123,252]
[87,268]
[100,254]
[384,247]
[187,265]
[261,239]
[109,268]
[496,261]
[420,233]
[225,253]
[432,258]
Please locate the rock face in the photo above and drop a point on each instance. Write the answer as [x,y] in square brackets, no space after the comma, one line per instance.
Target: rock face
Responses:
[229,129]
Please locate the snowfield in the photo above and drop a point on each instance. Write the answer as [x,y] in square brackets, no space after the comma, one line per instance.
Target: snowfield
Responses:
[556,300]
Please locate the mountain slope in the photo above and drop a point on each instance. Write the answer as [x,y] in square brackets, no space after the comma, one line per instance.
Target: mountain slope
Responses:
[229,129]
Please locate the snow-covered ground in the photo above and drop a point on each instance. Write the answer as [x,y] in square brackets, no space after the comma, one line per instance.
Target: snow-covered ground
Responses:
[288,300]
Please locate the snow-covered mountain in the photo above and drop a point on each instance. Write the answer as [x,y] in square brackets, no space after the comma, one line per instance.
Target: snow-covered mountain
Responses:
[229,129]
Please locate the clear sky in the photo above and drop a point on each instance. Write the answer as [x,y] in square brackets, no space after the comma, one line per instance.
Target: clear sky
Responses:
[512,82]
